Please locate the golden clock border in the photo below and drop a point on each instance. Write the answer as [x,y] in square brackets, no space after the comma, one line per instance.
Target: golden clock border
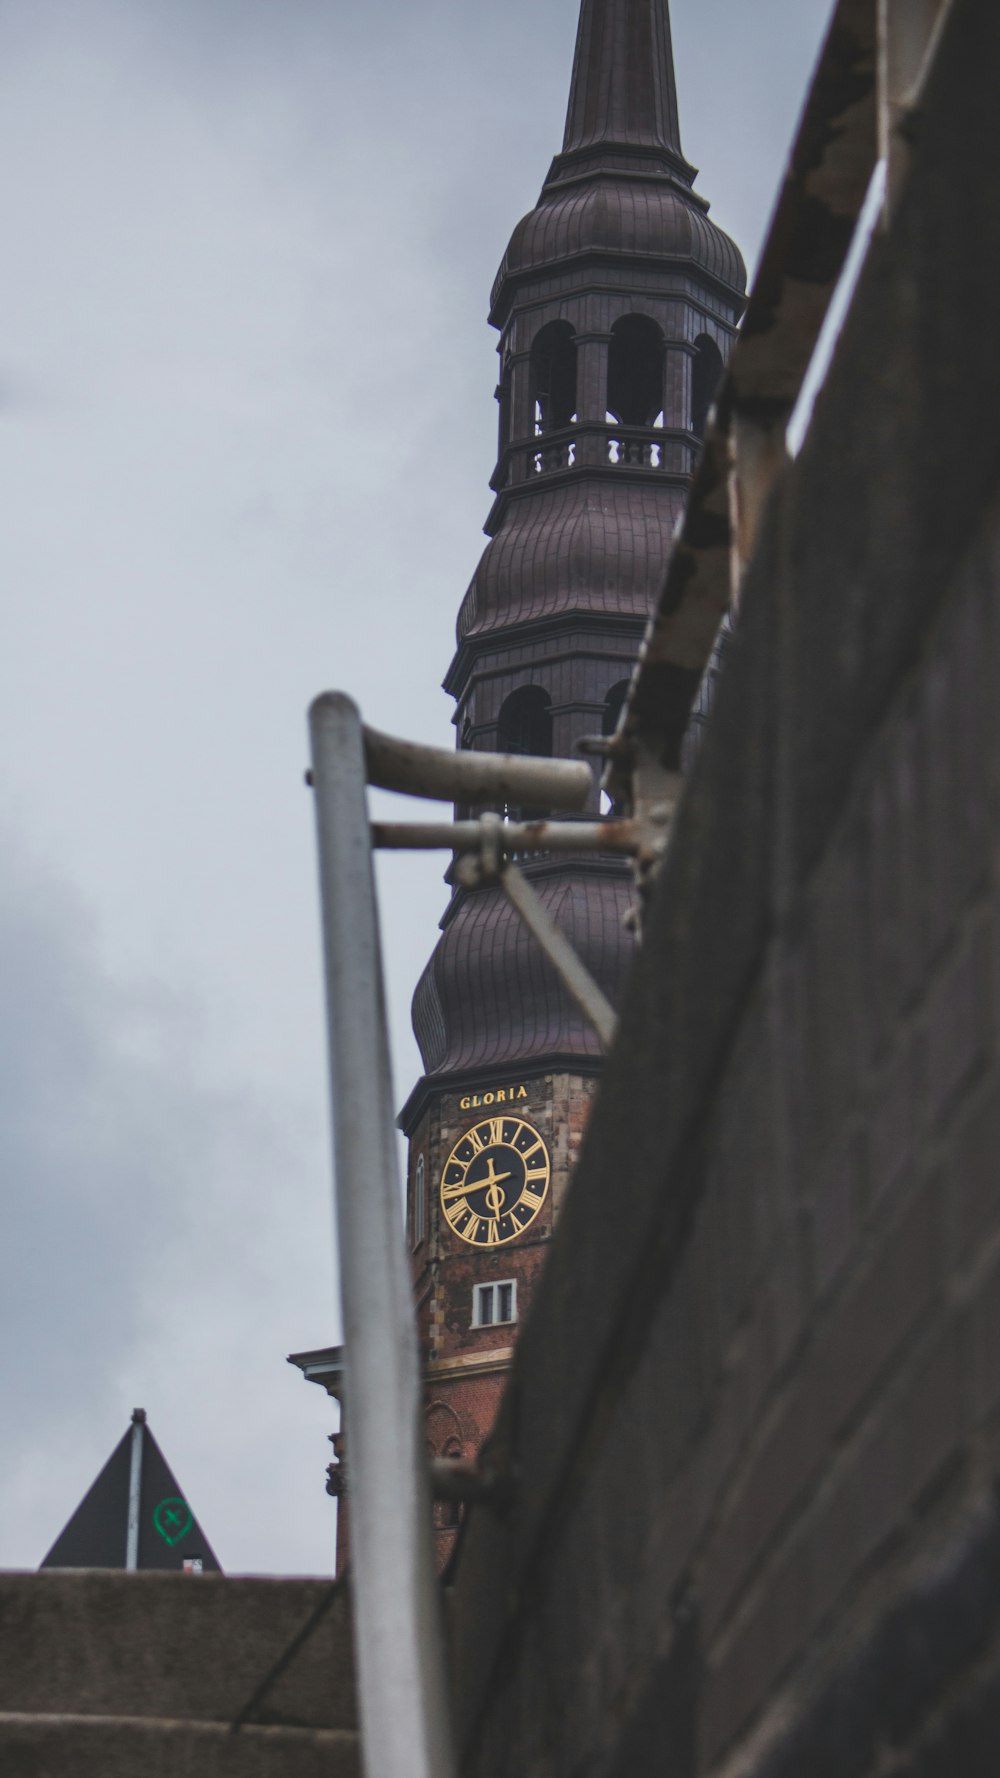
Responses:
[539,1177]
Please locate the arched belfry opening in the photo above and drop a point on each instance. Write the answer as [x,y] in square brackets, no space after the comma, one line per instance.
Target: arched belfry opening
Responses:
[525,722]
[524,725]
[503,395]
[635,371]
[706,375]
[635,388]
[553,390]
[613,705]
[553,377]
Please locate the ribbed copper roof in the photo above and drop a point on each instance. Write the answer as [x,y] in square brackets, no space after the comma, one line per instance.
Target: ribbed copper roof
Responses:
[488,997]
[592,546]
[650,220]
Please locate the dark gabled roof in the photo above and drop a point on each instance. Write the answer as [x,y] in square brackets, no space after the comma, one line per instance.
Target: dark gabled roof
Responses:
[168,1532]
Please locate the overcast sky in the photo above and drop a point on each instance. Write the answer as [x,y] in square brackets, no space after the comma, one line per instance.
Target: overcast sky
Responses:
[246,429]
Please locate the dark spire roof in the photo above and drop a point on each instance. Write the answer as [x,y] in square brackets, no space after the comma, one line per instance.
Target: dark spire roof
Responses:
[622,114]
[624,90]
[620,183]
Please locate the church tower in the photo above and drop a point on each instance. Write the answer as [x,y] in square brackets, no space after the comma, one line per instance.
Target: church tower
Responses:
[616,304]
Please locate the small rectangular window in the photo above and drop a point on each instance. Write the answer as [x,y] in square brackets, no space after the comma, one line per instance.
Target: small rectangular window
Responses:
[493,1304]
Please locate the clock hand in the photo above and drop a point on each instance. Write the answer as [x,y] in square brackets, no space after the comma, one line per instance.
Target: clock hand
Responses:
[494,1196]
[494,1200]
[493,1177]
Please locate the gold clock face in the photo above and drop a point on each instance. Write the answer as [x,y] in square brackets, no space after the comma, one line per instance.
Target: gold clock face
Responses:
[495,1181]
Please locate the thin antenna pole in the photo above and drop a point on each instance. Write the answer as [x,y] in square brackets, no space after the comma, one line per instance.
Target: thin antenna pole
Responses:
[135,1488]
[395,1599]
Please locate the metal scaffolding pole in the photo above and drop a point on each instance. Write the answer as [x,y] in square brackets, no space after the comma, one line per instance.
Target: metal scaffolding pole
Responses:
[405,1719]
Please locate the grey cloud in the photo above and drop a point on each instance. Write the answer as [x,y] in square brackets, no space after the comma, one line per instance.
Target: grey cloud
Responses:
[136,1199]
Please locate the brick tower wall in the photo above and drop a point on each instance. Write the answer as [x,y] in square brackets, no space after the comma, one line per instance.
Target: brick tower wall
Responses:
[465,1365]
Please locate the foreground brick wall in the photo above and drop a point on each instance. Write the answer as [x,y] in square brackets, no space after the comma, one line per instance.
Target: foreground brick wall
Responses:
[755,1417]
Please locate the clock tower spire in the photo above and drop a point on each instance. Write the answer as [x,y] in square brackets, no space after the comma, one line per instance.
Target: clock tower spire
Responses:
[623,91]
[616,304]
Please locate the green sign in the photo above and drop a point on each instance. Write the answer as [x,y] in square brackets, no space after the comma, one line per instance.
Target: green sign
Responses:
[173,1520]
